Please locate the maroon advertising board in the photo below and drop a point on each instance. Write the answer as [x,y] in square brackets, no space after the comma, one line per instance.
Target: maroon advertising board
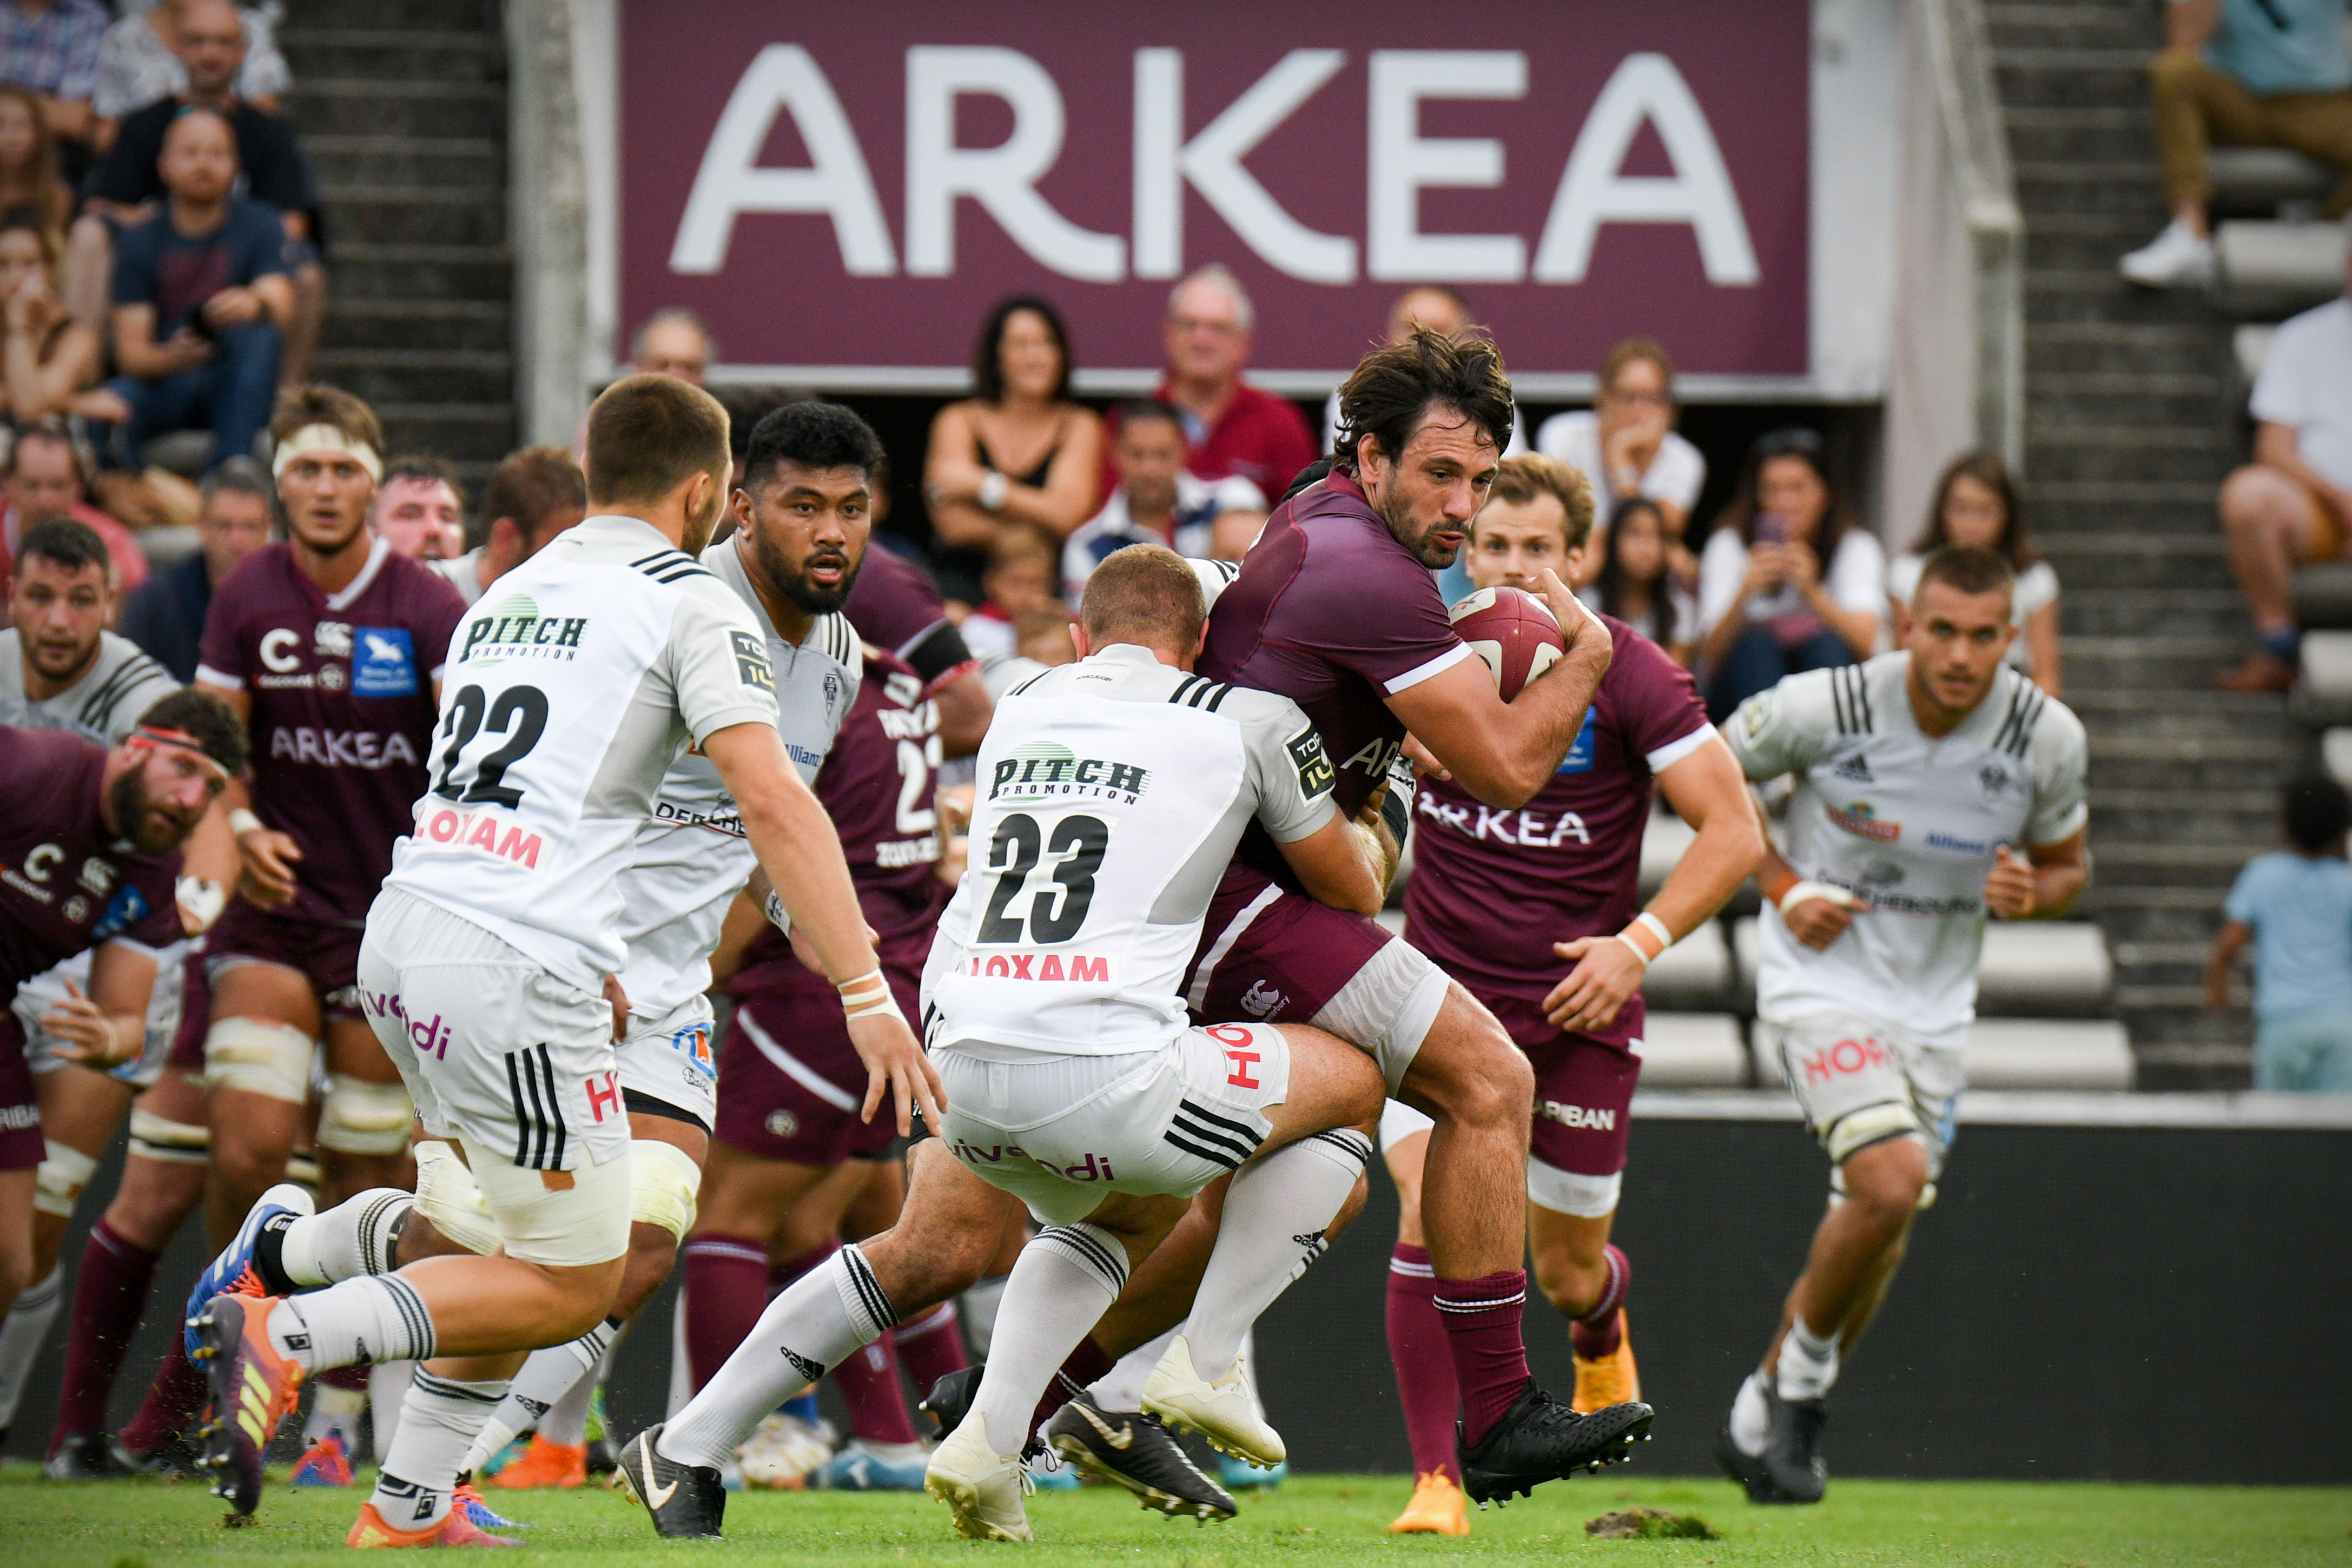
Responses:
[847,189]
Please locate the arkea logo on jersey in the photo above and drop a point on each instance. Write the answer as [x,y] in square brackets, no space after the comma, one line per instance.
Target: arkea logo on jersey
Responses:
[341,748]
[479,830]
[514,629]
[1375,757]
[1041,767]
[1525,829]
[1860,818]
[1080,967]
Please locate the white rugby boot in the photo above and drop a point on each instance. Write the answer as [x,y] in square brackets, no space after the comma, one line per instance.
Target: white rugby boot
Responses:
[983,1487]
[1225,1412]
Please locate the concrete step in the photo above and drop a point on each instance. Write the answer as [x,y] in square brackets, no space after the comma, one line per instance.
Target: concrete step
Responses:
[2048,135]
[2173,348]
[397,375]
[453,16]
[2167,612]
[2121,186]
[2069,28]
[462,431]
[2244,821]
[2149,662]
[365,269]
[2089,288]
[387,53]
[2134,453]
[417,215]
[2180,401]
[393,160]
[2273,269]
[361,107]
[2065,239]
[481,326]
[2108,76]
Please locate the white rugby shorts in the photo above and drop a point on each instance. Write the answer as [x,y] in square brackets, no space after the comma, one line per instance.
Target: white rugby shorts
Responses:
[1859,1083]
[492,1048]
[671,1058]
[1060,1131]
[42,992]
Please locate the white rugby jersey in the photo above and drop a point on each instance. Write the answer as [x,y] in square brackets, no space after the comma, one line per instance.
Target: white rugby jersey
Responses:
[691,857]
[569,690]
[1111,793]
[102,707]
[1910,824]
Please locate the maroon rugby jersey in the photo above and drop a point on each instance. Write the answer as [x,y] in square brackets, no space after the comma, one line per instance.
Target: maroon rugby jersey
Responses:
[67,881]
[895,607]
[342,686]
[877,785]
[1331,612]
[1492,889]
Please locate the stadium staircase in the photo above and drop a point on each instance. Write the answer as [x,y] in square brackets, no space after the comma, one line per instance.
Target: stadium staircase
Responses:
[402,105]
[2134,413]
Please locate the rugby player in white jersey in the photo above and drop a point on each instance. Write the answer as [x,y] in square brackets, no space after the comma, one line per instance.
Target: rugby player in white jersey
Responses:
[488,953]
[1934,785]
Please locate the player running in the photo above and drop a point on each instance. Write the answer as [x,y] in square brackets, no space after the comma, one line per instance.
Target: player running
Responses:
[1918,775]
[487,954]
[90,859]
[1562,970]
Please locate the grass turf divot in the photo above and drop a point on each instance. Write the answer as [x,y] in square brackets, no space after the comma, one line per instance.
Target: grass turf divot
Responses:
[1649,1524]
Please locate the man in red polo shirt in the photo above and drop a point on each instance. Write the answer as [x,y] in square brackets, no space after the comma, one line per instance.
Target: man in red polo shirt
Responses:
[1230,428]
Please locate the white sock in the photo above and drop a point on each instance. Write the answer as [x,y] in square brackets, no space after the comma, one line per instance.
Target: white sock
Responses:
[977,1307]
[1751,1418]
[23,1335]
[1066,1281]
[822,1319]
[566,1420]
[388,1384]
[1809,1362]
[547,1376]
[1121,1388]
[376,1317]
[354,1237]
[1273,1227]
[436,1425]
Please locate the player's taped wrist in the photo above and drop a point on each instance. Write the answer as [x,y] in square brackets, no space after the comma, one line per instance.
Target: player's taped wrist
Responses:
[202,898]
[1799,891]
[241,821]
[1651,924]
[869,993]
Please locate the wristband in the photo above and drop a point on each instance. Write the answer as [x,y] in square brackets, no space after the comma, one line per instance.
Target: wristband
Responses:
[778,915]
[1800,891]
[241,821]
[1657,928]
[1636,947]
[202,898]
[993,489]
[869,994]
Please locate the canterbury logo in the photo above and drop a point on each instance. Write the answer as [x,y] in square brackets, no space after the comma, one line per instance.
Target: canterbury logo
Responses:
[1119,1439]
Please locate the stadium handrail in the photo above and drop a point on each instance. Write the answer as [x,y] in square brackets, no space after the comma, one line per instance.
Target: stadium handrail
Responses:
[1959,60]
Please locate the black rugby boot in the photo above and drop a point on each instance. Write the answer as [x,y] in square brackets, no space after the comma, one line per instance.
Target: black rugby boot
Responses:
[1135,1451]
[1539,1439]
[686,1501]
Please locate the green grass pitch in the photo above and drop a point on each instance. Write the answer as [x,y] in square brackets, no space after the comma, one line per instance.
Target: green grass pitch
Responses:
[1311,1520]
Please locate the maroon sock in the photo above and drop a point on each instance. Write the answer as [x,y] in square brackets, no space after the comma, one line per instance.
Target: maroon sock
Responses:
[109,1295]
[1424,1368]
[171,1406]
[1482,1334]
[1085,1365]
[350,1379]
[782,1275]
[929,1348]
[1595,1334]
[868,1383]
[726,1291]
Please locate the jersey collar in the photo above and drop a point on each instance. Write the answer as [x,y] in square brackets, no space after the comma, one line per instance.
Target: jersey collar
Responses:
[1123,653]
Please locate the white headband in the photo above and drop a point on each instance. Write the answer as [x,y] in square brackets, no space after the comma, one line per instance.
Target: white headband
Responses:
[327,438]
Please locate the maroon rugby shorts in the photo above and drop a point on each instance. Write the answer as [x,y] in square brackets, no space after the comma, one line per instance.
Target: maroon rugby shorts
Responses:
[1584,1091]
[790,1083]
[328,956]
[22,1147]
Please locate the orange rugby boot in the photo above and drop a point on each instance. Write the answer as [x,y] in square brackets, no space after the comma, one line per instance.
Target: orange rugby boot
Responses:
[545,1464]
[1438,1508]
[1610,1380]
[455,1529]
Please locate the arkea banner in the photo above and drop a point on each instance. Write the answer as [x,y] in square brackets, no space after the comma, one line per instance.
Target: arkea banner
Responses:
[842,192]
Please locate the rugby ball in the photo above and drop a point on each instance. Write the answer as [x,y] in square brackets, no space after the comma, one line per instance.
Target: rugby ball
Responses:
[1514,632]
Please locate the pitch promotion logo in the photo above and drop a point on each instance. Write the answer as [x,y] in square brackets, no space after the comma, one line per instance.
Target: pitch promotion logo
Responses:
[1860,818]
[1041,768]
[514,629]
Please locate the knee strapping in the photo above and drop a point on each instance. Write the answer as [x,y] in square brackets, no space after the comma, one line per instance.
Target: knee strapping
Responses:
[1857,1129]
[259,1057]
[569,1225]
[664,1182]
[447,1195]
[1565,1192]
[362,1118]
[154,1137]
[63,1173]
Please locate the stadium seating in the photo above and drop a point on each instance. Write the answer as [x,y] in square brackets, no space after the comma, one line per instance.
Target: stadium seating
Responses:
[2276,266]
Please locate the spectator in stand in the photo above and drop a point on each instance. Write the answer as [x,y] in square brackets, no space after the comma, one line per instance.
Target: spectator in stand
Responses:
[140,62]
[1788,581]
[1022,578]
[1442,311]
[166,616]
[1232,533]
[1625,443]
[1230,428]
[48,360]
[1043,636]
[673,342]
[49,476]
[1016,452]
[1635,581]
[1156,501]
[129,185]
[2295,905]
[28,160]
[420,508]
[534,495]
[200,297]
[50,47]
[2240,73]
[2292,504]
[1976,507]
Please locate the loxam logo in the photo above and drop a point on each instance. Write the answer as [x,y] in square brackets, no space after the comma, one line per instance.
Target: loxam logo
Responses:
[1041,768]
[514,629]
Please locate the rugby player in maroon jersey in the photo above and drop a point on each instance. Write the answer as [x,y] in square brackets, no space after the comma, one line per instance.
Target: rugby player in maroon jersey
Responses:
[895,607]
[330,647]
[1534,911]
[90,856]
